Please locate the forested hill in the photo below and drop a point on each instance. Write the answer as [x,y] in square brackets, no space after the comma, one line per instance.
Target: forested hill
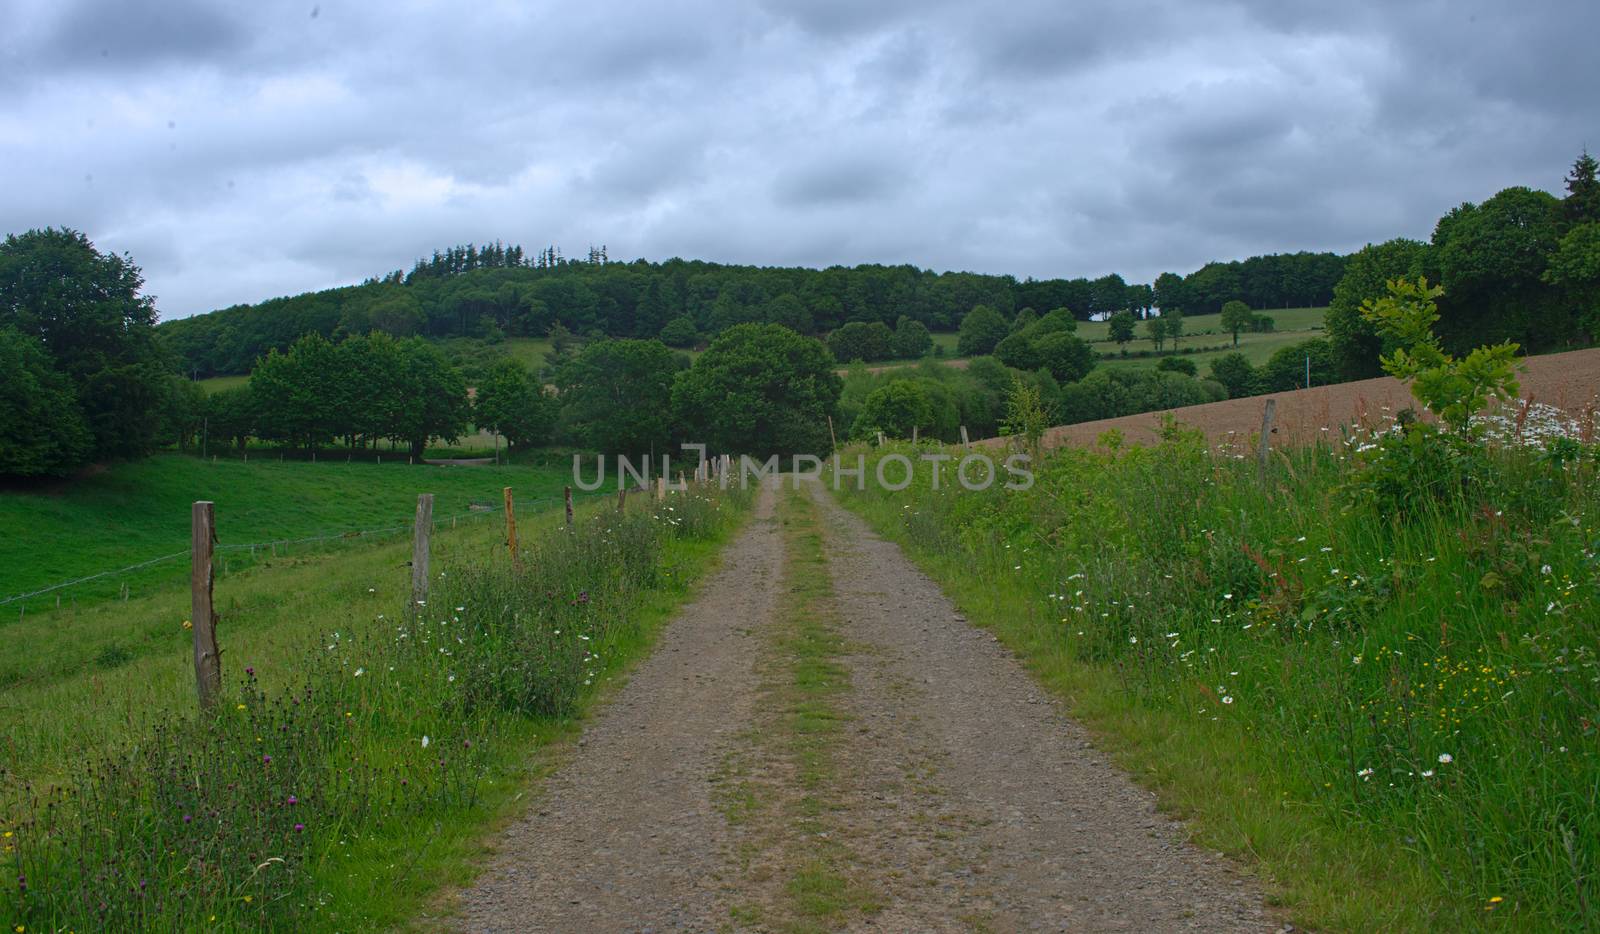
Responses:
[495,289]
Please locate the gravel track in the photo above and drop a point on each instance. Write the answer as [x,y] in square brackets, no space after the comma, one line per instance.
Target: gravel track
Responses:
[987,807]
[625,836]
[964,796]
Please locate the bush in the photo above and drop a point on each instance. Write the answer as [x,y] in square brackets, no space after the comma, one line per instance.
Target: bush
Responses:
[1176,365]
[860,340]
[1237,376]
[894,409]
[981,330]
[1285,370]
[680,332]
[911,339]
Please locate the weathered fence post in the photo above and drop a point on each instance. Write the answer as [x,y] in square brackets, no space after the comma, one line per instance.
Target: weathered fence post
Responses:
[569,507]
[622,499]
[1264,446]
[511,529]
[914,434]
[202,617]
[833,441]
[661,488]
[880,439]
[964,442]
[419,549]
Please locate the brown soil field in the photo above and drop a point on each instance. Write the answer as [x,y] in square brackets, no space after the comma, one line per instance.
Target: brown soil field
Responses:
[1568,381]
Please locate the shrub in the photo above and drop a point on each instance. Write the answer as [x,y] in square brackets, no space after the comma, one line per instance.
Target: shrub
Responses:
[860,340]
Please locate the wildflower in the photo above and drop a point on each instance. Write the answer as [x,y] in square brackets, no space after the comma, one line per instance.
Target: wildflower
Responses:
[424,742]
[240,707]
[250,672]
[187,819]
[293,800]
[1227,699]
[1545,570]
[1356,660]
[360,672]
[187,624]
[1133,639]
[266,760]
[1365,773]
[299,828]
[1227,596]
[1427,773]
[1445,758]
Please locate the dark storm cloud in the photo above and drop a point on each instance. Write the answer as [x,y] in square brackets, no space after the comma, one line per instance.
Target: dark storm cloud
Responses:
[847,180]
[116,35]
[241,151]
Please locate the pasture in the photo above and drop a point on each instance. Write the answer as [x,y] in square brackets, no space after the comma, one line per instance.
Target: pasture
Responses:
[135,512]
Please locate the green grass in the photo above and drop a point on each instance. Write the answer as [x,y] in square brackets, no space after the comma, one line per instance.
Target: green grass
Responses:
[1257,348]
[375,851]
[1251,651]
[1293,325]
[821,888]
[215,384]
[138,511]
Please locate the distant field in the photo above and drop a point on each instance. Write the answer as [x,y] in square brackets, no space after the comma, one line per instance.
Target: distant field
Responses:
[135,512]
[215,384]
[1293,326]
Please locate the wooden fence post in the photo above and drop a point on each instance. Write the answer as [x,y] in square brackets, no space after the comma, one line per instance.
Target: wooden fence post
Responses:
[511,529]
[202,617]
[880,439]
[569,507]
[964,442]
[622,499]
[1264,446]
[914,434]
[661,488]
[419,549]
[831,439]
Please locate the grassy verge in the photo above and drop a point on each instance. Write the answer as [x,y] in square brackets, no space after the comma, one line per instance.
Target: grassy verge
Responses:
[350,773]
[1390,709]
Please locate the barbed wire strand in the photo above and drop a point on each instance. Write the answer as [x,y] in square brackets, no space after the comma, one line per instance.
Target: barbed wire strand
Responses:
[346,534]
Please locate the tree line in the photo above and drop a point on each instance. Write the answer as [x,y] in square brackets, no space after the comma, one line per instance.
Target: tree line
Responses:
[83,377]
[1523,266]
[494,291]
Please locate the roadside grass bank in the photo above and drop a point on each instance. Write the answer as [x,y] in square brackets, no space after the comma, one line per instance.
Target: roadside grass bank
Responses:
[1376,679]
[349,775]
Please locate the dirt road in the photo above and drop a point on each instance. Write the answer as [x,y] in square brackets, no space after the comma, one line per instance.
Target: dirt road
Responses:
[821,742]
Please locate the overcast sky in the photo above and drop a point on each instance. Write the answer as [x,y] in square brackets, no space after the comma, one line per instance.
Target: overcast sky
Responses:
[245,150]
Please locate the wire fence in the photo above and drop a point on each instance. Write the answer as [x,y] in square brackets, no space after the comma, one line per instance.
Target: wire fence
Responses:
[348,535]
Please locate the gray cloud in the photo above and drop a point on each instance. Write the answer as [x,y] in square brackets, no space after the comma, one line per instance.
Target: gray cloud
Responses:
[245,151]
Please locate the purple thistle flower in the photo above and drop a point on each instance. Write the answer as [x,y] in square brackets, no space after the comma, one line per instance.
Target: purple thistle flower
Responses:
[187,818]
[298,828]
[266,760]
[293,800]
